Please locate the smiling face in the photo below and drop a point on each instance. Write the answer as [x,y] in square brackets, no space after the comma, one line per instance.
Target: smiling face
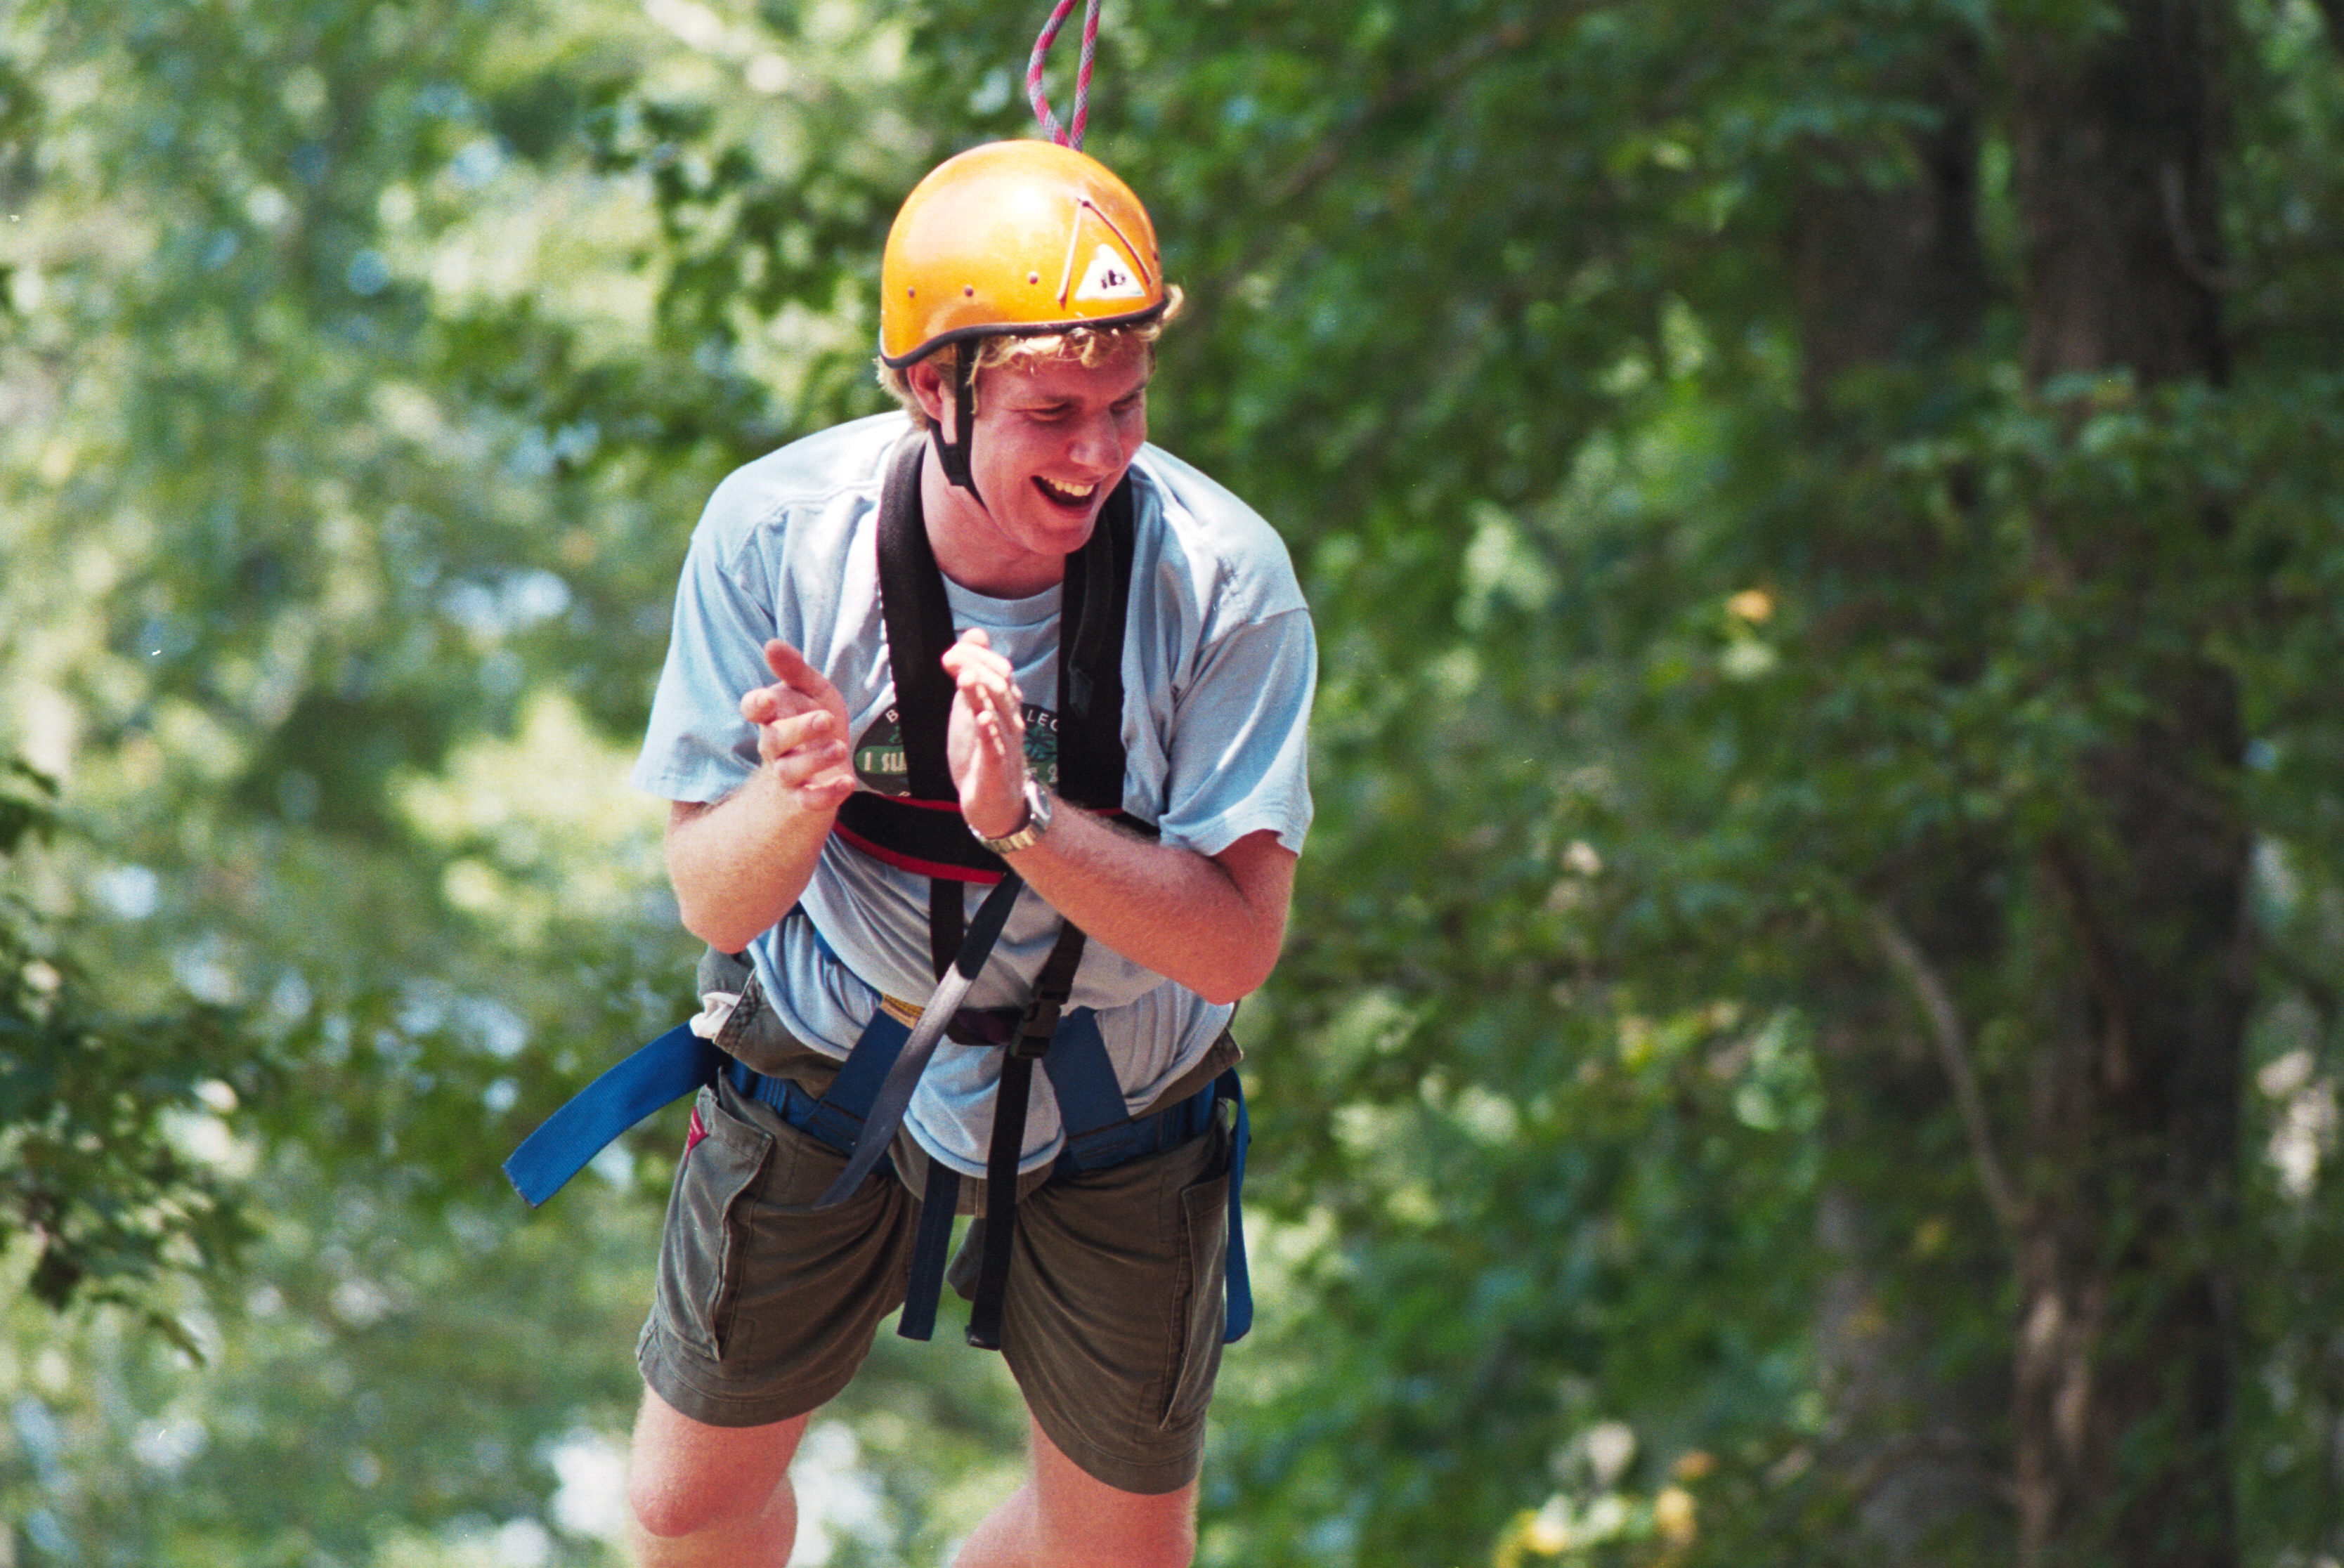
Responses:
[1053,436]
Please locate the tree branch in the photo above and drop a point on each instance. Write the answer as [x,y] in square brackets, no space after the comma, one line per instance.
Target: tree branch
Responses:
[1936,1004]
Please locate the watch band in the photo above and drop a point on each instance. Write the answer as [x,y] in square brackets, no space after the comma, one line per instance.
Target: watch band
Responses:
[1029,834]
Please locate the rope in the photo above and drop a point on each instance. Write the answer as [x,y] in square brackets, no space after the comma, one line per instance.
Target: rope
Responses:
[1072,136]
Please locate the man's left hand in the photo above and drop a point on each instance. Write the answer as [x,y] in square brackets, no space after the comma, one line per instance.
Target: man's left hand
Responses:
[984,740]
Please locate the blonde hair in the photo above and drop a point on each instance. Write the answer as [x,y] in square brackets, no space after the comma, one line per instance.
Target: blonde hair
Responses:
[1086,346]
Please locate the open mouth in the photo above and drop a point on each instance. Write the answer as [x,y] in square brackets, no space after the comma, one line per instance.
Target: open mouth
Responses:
[1072,496]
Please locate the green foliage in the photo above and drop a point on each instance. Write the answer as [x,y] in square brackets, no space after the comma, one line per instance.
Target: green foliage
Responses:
[364,366]
[110,1131]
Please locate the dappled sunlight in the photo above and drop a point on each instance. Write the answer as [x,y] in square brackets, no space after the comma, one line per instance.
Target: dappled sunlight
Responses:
[544,825]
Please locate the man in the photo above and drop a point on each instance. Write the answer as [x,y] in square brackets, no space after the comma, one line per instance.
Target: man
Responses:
[1023,295]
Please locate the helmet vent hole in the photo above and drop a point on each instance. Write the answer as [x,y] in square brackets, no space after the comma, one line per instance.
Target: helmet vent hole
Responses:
[968,290]
[1033,277]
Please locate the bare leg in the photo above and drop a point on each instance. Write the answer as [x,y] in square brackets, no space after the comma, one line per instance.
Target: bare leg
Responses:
[1062,1518]
[704,1496]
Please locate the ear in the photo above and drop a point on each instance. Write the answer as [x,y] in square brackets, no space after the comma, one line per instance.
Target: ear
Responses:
[932,386]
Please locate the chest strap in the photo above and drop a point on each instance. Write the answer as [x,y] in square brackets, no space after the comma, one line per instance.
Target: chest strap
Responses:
[922,831]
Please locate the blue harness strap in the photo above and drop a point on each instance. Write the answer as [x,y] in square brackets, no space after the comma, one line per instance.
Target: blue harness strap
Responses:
[1099,1132]
[658,1075]
[1241,1278]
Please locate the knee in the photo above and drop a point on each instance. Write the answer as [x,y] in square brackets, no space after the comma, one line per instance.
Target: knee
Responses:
[687,1479]
[670,1506]
[666,1510]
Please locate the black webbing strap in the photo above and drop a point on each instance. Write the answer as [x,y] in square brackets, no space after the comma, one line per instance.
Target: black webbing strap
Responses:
[952,451]
[919,623]
[938,1201]
[1096,598]
[1052,987]
[883,1110]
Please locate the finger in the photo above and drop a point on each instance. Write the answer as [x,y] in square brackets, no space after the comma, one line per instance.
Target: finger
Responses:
[765,703]
[813,766]
[785,661]
[981,690]
[988,673]
[997,700]
[798,732]
[996,734]
[972,653]
[825,794]
[791,668]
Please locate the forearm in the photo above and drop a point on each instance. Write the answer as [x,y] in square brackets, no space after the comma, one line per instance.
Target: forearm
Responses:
[1212,924]
[737,866]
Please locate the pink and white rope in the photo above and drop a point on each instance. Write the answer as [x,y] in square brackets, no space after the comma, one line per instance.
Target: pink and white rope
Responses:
[1072,136]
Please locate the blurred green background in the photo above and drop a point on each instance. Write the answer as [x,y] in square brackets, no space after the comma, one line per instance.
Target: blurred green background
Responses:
[1810,1026]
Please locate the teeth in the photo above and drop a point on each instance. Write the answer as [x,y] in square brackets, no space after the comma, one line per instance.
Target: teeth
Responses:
[1068,492]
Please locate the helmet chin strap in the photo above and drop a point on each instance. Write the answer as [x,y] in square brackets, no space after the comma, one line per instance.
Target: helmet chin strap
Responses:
[952,451]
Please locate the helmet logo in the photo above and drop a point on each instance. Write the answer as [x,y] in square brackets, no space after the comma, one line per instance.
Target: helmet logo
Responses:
[1109,276]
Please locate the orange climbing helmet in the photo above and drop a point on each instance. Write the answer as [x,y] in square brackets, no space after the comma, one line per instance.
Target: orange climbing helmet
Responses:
[1015,239]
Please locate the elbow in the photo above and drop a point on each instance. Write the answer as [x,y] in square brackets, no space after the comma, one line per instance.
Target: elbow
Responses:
[711,925]
[716,936]
[1240,979]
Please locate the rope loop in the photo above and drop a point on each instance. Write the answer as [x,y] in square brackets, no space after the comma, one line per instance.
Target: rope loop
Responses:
[1071,135]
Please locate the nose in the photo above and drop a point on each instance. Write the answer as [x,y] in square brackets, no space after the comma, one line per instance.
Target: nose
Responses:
[1096,445]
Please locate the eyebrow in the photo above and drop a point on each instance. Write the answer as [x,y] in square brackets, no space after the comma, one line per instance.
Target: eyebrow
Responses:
[1041,403]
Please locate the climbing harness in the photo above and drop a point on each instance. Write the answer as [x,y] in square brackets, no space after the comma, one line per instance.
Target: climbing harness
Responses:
[859,1113]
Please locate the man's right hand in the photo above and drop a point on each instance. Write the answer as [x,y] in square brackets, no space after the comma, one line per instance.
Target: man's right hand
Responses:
[738,864]
[801,737]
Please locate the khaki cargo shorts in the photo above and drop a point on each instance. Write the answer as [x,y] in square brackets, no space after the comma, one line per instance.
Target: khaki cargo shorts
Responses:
[1111,1321]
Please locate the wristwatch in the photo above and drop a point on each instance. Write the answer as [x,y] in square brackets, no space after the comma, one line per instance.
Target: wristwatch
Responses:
[1036,823]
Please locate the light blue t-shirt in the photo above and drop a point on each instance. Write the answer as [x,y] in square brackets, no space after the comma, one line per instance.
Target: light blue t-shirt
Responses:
[1218,665]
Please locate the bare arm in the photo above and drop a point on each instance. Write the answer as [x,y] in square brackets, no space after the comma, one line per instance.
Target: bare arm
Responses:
[1212,922]
[738,864]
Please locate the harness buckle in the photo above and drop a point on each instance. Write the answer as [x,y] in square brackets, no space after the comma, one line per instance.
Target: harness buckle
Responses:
[1038,1027]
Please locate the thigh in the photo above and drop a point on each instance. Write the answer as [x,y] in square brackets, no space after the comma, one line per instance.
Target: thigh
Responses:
[766,1305]
[1113,1314]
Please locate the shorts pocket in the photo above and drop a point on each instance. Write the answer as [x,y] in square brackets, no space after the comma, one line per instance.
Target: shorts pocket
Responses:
[701,1264]
[1204,1241]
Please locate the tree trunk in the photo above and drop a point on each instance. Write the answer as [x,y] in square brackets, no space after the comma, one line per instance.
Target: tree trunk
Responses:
[2123,1372]
[1896,275]
[1887,278]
